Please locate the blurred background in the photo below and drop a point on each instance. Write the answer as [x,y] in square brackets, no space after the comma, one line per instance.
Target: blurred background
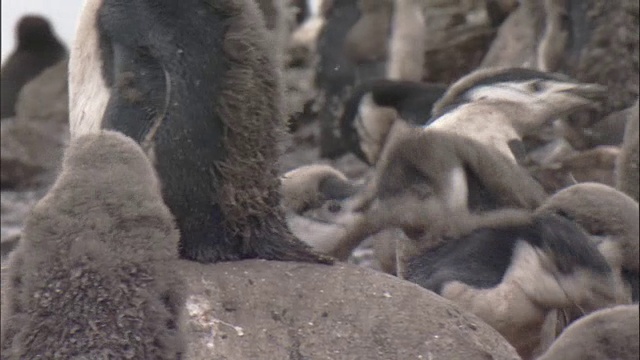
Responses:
[62,13]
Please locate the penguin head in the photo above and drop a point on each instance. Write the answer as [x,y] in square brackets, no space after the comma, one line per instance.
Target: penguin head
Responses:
[33,31]
[610,217]
[526,87]
[309,187]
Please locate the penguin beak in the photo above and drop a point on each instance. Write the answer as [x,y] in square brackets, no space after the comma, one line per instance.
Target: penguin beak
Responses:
[566,97]
[592,92]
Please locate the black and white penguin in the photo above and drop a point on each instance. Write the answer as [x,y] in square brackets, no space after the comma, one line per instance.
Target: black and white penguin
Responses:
[369,112]
[452,163]
[196,84]
[511,267]
[92,277]
[365,125]
[513,271]
[335,73]
[37,49]
[457,155]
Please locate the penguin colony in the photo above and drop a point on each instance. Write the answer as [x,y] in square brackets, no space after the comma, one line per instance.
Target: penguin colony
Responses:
[37,49]
[176,113]
[449,169]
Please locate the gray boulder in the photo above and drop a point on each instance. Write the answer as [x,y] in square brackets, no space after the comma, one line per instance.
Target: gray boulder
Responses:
[259,309]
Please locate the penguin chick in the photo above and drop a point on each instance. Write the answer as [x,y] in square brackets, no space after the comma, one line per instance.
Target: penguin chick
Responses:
[366,119]
[366,41]
[37,49]
[611,218]
[317,201]
[203,96]
[555,37]
[303,40]
[627,164]
[513,272]
[425,181]
[495,108]
[91,276]
[301,10]
[452,163]
[511,267]
[499,114]
[610,130]
[364,124]
[335,74]
[457,172]
[605,334]
[457,93]
[407,43]
[309,186]
[555,92]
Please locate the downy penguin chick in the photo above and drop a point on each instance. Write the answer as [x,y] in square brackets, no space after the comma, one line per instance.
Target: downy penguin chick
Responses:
[458,155]
[611,219]
[91,277]
[37,49]
[196,84]
[507,266]
[303,40]
[627,165]
[419,103]
[308,186]
[319,201]
[366,41]
[316,199]
[451,164]
[407,43]
[605,334]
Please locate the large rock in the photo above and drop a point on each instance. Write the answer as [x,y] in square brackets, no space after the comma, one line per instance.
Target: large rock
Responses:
[258,309]
[284,310]
[32,143]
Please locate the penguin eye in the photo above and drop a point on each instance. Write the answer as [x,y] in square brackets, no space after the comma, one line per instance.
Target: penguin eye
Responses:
[334,207]
[536,86]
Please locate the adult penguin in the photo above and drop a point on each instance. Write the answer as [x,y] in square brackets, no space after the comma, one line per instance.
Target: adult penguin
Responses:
[37,49]
[196,84]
